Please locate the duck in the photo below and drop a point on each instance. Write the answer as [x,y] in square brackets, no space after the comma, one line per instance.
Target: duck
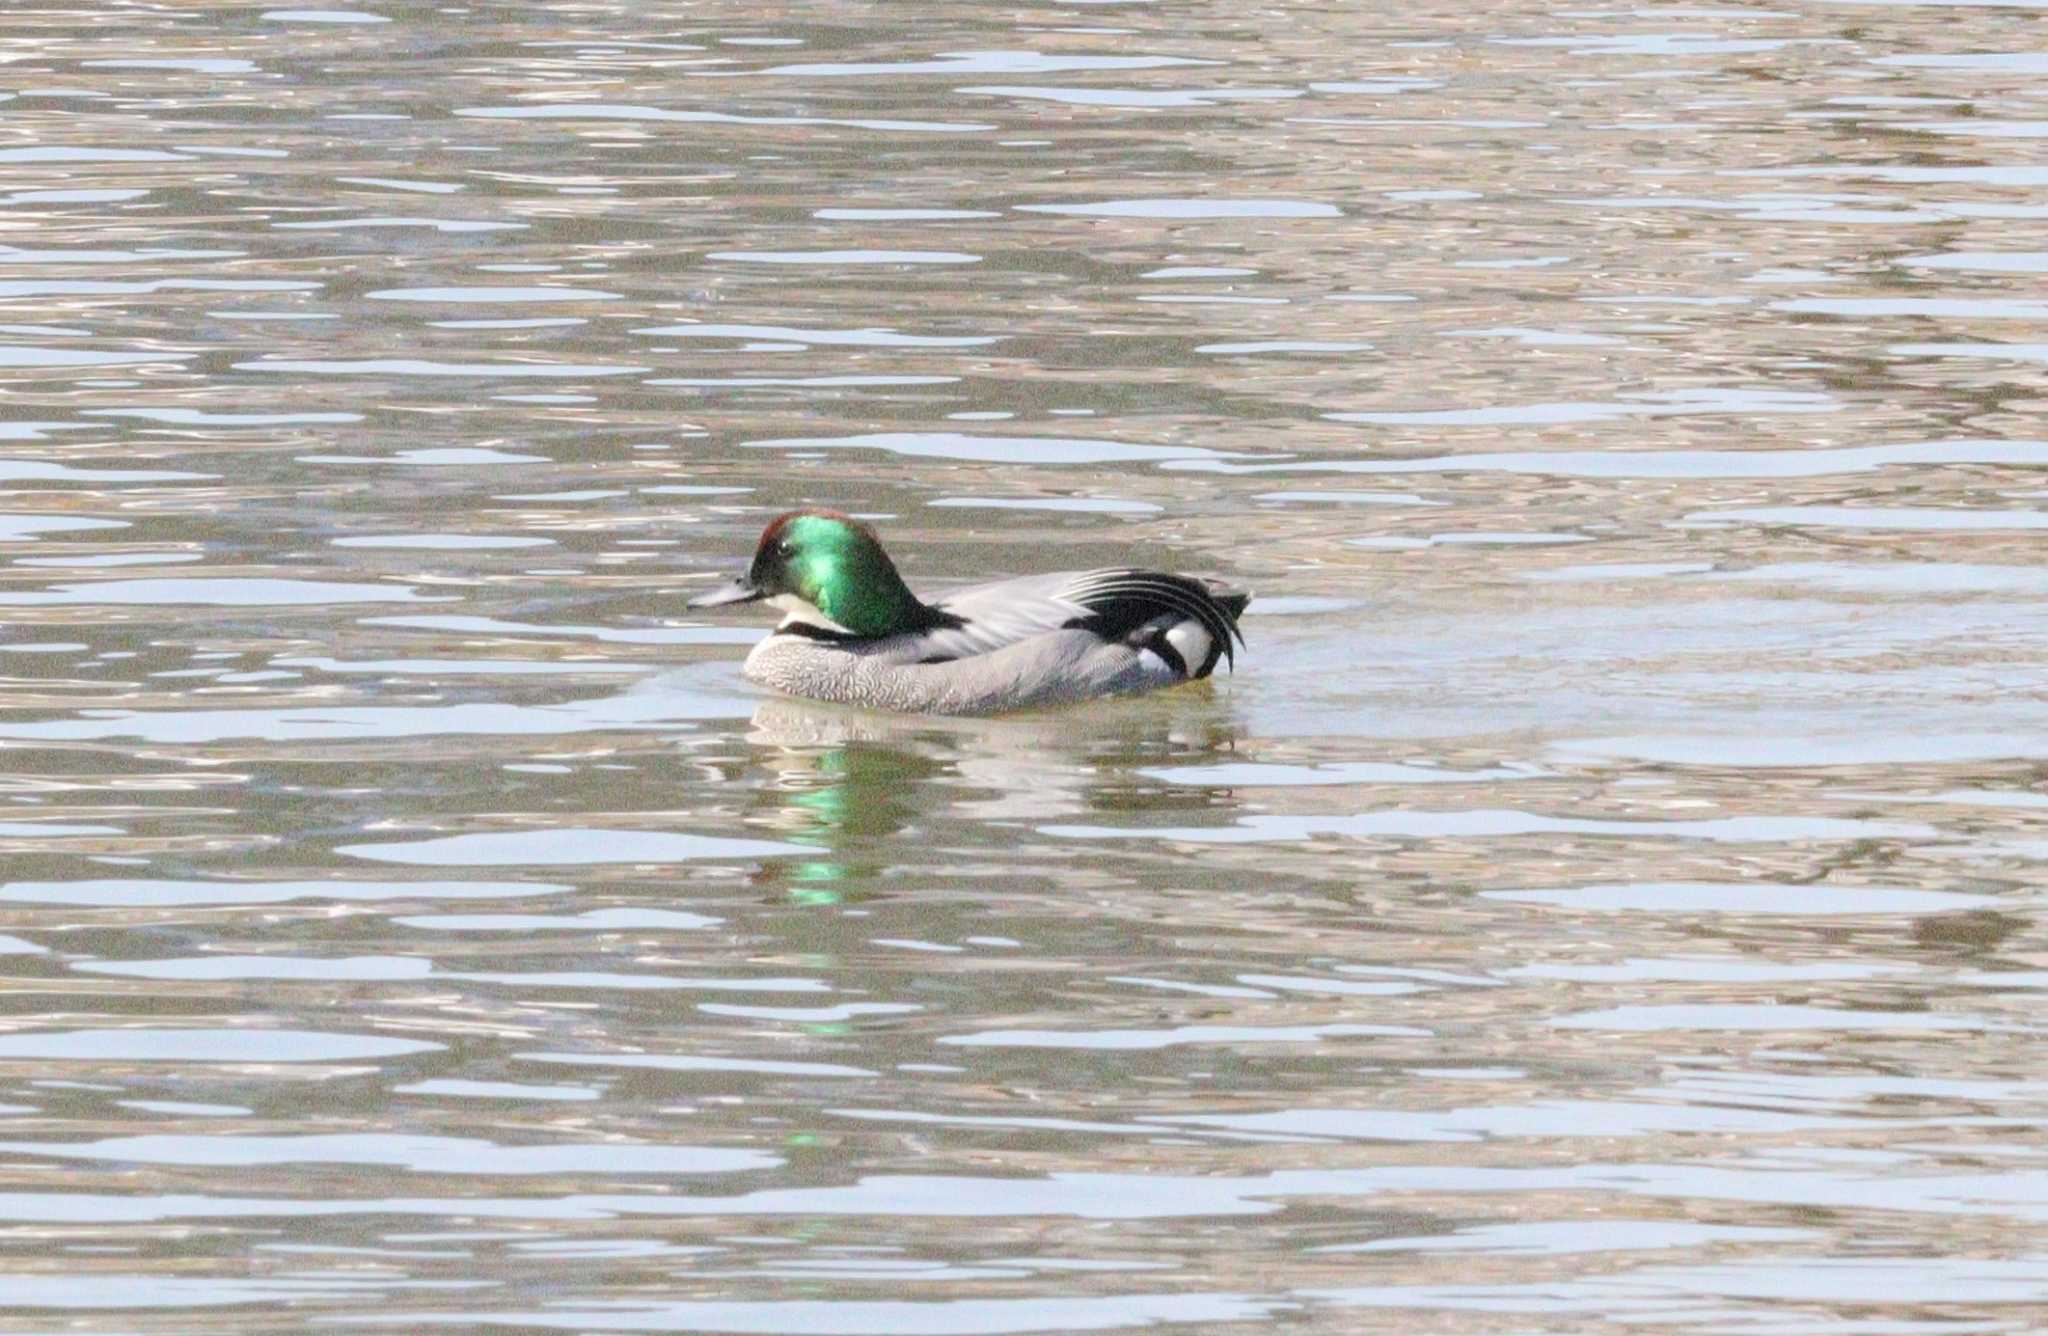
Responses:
[853,633]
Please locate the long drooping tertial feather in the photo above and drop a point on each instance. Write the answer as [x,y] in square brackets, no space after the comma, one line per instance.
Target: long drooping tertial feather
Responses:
[1126,601]
[1114,604]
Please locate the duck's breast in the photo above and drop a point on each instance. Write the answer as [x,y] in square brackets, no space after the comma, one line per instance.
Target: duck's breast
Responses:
[1053,668]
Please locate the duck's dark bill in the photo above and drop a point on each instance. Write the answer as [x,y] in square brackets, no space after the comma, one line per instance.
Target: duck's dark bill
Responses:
[732,591]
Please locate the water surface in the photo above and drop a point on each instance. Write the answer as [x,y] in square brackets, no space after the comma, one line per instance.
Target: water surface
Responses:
[1606,897]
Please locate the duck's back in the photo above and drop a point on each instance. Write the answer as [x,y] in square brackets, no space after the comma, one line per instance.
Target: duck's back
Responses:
[1190,623]
[1017,644]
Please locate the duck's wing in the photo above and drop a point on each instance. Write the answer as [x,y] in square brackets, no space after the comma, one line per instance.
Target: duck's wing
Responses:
[1151,609]
[982,619]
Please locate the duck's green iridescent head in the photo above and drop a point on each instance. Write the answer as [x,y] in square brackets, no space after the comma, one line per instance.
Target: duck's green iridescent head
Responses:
[833,563]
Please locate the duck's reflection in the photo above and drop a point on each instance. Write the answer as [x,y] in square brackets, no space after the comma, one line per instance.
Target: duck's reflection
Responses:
[847,780]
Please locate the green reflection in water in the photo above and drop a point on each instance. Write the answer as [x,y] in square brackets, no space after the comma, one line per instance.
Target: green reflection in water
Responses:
[848,783]
[840,799]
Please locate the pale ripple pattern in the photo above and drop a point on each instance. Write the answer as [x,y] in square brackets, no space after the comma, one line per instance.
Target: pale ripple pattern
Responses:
[1605,896]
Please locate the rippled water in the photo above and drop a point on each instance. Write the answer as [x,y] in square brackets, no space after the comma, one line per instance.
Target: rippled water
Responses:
[1607,896]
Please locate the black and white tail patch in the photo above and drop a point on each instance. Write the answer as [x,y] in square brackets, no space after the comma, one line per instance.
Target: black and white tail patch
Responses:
[1183,621]
[1156,638]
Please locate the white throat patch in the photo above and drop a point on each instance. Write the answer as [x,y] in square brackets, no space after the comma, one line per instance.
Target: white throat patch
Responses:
[795,609]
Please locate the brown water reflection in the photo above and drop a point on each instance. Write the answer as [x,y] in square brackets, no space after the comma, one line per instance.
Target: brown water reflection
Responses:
[1606,896]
